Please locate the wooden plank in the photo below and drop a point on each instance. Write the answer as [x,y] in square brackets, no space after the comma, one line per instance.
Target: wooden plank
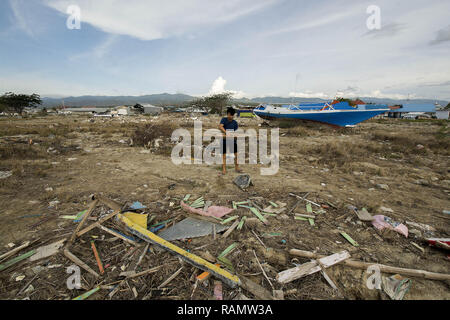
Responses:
[79,262]
[305,216]
[98,223]
[162,285]
[229,219]
[349,239]
[110,203]
[115,233]
[257,290]
[85,217]
[308,268]
[196,261]
[231,229]
[12,262]
[97,258]
[383,268]
[241,224]
[87,294]
[256,213]
[14,251]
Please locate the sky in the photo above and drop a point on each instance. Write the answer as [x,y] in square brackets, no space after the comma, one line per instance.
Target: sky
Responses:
[251,48]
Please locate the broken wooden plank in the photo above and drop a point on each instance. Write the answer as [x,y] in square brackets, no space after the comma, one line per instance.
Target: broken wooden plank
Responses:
[196,261]
[167,281]
[79,262]
[134,274]
[308,268]
[305,216]
[278,294]
[228,250]
[231,229]
[15,260]
[256,213]
[262,269]
[85,217]
[97,258]
[14,251]
[349,239]
[229,219]
[109,202]
[98,223]
[87,294]
[115,233]
[47,251]
[257,290]
[383,268]
[241,224]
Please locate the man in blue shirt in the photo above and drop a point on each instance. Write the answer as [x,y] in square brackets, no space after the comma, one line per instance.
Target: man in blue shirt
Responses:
[228,123]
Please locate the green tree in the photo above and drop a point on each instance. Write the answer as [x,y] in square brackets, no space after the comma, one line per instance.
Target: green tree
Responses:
[17,102]
[213,104]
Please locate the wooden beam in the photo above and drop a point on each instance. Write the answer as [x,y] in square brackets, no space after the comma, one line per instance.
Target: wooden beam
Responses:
[79,262]
[383,268]
[308,268]
[85,217]
[98,223]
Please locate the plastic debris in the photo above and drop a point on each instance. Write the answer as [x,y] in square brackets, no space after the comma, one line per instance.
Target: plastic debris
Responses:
[381,222]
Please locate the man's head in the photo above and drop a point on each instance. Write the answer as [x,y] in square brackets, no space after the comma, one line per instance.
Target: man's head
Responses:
[230,113]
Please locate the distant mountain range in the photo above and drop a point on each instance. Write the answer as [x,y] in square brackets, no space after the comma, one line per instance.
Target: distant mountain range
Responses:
[166,99]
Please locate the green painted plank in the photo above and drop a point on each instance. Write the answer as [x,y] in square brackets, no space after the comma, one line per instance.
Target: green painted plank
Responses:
[349,239]
[309,208]
[272,234]
[227,263]
[227,250]
[186,197]
[300,218]
[273,204]
[87,294]
[243,206]
[160,223]
[234,205]
[11,262]
[256,213]
[229,219]
[311,221]
[241,224]
[269,214]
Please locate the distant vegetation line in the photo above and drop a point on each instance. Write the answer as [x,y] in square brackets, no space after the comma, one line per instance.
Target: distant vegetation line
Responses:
[178,99]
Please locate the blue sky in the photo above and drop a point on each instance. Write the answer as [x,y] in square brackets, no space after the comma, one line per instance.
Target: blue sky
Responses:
[249,47]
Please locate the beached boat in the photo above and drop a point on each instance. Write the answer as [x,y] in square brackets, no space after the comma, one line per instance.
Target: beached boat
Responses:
[340,114]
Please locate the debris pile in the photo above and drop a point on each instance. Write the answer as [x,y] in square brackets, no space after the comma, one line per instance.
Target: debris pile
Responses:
[197,250]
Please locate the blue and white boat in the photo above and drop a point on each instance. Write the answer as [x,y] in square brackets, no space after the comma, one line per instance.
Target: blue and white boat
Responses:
[340,114]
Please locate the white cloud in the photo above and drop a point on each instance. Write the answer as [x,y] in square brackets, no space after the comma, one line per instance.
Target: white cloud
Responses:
[20,17]
[100,50]
[309,94]
[157,19]
[218,87]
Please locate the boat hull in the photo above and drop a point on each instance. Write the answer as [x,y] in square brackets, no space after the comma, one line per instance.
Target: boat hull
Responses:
[340,118]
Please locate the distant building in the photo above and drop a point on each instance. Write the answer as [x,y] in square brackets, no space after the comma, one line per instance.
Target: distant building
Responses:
[151,109]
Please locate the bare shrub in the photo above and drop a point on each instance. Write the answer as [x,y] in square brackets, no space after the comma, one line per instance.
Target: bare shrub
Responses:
[143,136]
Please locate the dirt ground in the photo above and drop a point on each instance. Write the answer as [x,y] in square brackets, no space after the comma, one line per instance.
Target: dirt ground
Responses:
[385,163]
